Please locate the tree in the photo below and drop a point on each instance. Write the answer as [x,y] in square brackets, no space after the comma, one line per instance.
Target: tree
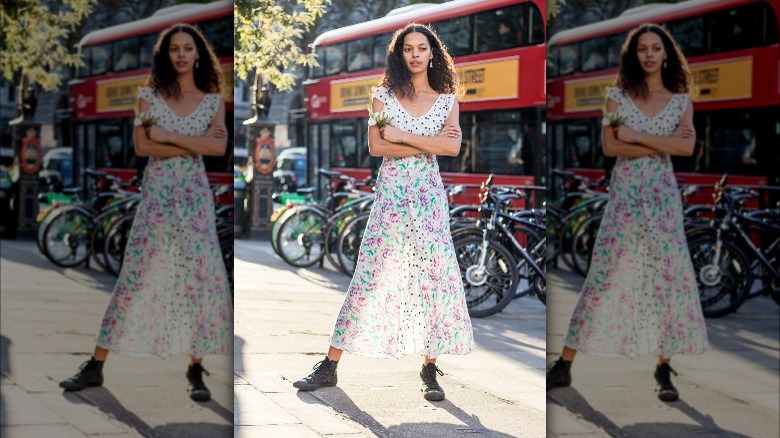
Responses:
[267,36]
[34,39]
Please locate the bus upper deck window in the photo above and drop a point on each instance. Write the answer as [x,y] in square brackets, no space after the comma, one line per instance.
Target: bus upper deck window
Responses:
[335,59]
[502,29]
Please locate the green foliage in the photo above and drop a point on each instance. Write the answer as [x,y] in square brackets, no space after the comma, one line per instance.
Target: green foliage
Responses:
[34,36]
[267,36]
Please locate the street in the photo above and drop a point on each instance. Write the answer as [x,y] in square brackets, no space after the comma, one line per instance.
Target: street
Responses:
[283,319]
[50,317]
[729,391]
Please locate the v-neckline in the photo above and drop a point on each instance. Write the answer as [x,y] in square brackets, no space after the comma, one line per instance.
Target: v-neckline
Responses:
[410,114]
[642,112]
[188,115]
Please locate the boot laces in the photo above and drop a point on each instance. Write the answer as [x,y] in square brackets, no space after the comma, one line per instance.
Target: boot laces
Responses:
[429,376]
[664,377]
[195,376]
[320,368]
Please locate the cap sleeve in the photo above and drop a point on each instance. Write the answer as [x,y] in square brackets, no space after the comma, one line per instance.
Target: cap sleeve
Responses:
[214,104]
[615,93]
[381,95]
[449,102]
[146,93]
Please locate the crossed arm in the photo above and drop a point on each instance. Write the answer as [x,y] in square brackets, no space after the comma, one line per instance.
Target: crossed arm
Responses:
[626,142]
[161,143]
[393,142]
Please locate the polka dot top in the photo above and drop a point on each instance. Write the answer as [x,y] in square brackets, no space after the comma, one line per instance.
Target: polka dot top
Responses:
[661,124]
[429,124]
[194,124]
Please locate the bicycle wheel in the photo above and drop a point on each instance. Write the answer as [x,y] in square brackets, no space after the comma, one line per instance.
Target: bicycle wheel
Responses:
[301,238]
[488,286]
[336,224]
[724,283]
[350,240]
[115,242]
[275,225]
[45,219]
[66,240]
[584,242]
[528,239]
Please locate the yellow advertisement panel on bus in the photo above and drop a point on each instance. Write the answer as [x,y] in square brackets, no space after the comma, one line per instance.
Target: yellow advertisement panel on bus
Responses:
[121,94]
[485,80]
[715,81]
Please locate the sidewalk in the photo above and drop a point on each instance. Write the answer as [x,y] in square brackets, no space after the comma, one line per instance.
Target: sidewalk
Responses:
[49,321]
[733,390]
[283,320]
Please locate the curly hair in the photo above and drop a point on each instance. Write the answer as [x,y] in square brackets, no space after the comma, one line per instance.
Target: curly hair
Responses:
[442,76]
[676,76]
[208,76]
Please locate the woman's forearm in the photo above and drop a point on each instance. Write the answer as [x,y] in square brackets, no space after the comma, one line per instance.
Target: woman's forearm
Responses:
[438,145]
[199,145]
[150,148]
[379,147]
[668,145]
[612,147]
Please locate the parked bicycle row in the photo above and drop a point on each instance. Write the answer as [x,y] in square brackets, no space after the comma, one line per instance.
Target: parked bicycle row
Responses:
[72,231]
[500,249]
[734,249]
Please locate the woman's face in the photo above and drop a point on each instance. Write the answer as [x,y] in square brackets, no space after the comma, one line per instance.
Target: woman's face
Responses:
[650,52]
[417,52]
[183,52]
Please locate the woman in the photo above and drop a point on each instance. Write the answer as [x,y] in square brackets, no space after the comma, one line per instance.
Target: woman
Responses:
[640,294]
[172,294]
[406,295]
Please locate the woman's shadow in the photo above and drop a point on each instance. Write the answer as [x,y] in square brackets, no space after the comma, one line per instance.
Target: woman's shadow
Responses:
[337,399]
[570,399]
[106,402]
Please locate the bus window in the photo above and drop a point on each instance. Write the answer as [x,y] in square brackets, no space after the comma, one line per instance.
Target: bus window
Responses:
[614,46]
[219,34]
[100,59]
[689,33]
[145,50]
[334,59]
[499,29]
[126,54]
[84,70]
[568,59]
[359,54]
[318,71]
[595,54]
[380,49]
[343,144]
[110,151]
[738,28]
[498,135]
[455,34]
[536,27]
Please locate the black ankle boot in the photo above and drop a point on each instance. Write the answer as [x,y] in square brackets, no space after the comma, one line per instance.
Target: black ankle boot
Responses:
[90,374]
[430,387]
[663,386]
[324,374]
[559,374]
[195,386]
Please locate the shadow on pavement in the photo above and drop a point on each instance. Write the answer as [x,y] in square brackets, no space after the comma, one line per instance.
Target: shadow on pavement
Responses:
[106,402]
[92,277]
[336,398]
[573,401]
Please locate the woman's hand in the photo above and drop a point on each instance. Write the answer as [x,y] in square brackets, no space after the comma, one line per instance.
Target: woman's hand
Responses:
[216,131]
[452,130]
[391,134]
[158,134]
[626,134]
[684,131]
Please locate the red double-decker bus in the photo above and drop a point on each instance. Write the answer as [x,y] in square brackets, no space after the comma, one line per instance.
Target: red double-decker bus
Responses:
[499,52]
[117,61]
[733,53]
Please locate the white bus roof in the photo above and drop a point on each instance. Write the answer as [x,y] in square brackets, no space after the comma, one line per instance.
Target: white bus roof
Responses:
[159,20]
[651,13]
[397,18]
